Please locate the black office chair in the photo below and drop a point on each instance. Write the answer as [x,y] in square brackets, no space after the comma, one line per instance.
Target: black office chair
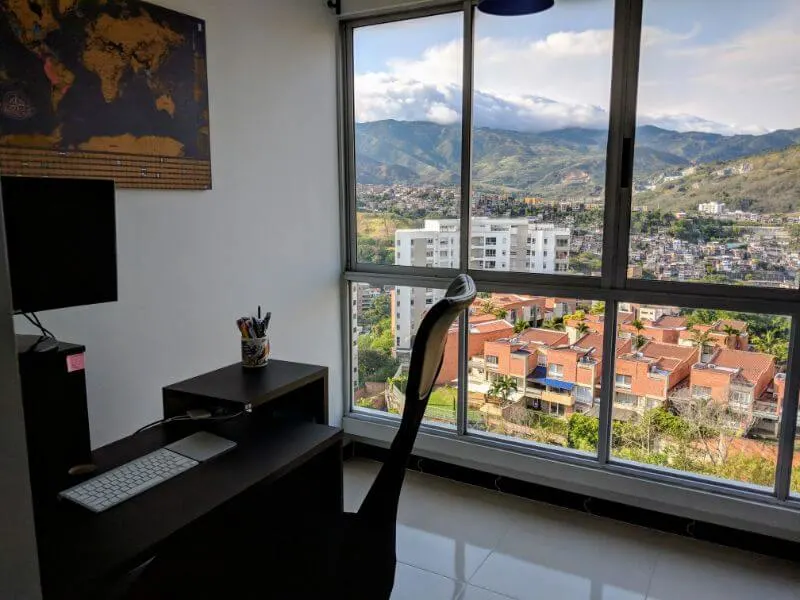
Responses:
[350,555]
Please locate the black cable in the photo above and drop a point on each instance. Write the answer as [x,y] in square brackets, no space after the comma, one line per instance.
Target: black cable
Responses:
[34,320]
[161,422]
[185,417]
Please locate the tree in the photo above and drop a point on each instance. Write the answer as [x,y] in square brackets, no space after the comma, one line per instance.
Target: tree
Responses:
[598,308]
[520,326]
[502,387]
[556,324]
[702,316]
[701,339]
[374,365]
[710,427]
[378,310]
[733,334]
[583,432]
[581,329]
[772,342]
[638,341]
[488,307]
[637,325]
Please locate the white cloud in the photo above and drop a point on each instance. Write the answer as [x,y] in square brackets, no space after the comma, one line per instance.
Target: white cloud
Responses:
[383,97]
[746,84]
[592,42]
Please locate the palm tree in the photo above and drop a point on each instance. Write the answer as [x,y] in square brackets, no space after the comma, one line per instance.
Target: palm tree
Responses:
[581,329]
[701,338]
[502,387]
[772,342]
[732,332]
[637,325]
[520,326]
[638,341]
[598,308]
[553,324]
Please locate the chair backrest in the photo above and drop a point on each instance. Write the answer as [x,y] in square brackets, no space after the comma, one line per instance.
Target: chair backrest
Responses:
[426,362]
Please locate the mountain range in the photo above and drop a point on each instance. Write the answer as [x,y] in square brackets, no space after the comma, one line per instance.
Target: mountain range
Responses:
[561,163]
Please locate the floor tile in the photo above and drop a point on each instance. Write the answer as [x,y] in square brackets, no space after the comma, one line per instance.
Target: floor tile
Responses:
[447,527]
[475,593]
[359,474]
[690,569]
[554,553]
[411,583]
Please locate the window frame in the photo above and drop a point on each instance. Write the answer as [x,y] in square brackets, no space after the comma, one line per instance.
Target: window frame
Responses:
[613,285]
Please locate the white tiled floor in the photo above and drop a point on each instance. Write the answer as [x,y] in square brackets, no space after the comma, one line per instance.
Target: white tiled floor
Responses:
[457,542]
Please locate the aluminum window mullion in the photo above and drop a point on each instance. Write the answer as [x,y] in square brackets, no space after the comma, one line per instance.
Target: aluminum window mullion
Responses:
[632,43]
[607,383]
[467,75]
[783,471]
[621,129]
[349,147]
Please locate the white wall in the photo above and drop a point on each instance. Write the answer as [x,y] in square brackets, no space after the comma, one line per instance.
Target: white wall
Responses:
[19,570]
[359,8]
[190,263]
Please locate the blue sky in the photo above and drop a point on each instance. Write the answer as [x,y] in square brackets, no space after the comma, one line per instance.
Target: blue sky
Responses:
[726,66]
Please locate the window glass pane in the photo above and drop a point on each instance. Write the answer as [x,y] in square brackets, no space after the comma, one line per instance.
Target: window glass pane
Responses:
[717,161]
[408,102]
[700,390]
[542,89]
[795,478]
[534,369]
[385,321]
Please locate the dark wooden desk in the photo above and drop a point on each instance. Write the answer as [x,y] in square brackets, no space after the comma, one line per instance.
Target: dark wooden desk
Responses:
[285,461]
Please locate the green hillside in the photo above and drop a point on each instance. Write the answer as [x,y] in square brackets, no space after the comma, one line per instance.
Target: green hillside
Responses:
[563,163]
[767,183]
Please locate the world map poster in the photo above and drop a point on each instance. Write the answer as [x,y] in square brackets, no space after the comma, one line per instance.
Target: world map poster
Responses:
[113,89]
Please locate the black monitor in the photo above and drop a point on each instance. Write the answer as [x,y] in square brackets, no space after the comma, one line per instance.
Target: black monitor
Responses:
[61,237]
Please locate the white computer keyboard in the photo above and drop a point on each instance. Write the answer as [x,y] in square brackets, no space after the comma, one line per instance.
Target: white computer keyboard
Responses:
[115,486]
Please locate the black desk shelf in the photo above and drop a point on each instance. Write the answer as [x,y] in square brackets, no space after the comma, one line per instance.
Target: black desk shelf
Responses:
[284,387]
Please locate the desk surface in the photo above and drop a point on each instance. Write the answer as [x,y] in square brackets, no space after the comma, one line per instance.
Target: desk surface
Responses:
[75,544]
[249,386]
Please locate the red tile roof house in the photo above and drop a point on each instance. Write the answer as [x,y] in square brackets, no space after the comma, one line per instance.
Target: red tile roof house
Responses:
[480,332]
[665,329]
[643,379]
[552,374]
[746,381]
[718,335]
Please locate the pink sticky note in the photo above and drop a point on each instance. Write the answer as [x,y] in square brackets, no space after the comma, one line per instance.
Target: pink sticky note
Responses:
[76,362]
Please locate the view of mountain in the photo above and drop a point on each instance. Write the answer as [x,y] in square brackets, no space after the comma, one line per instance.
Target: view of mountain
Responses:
[766,183]
[564,162]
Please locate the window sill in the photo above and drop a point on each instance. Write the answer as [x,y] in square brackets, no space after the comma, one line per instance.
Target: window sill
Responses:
[739,508]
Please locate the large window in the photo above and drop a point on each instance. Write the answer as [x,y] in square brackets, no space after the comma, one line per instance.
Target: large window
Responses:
[534,377]
[381,348]
[702,391]
[716,183]
[630,194]
[407,101]
[540,133]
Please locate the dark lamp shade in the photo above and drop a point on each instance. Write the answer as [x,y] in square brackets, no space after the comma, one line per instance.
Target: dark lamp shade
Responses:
[512,8]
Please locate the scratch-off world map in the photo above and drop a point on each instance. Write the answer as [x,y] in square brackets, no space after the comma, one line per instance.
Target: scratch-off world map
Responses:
[111,89]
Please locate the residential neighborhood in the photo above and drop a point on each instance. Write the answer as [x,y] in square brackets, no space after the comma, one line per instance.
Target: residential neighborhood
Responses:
[536,359]
[709,244]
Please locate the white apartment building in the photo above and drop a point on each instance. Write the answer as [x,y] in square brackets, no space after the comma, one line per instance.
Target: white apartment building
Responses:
[496,244]
[711,208]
